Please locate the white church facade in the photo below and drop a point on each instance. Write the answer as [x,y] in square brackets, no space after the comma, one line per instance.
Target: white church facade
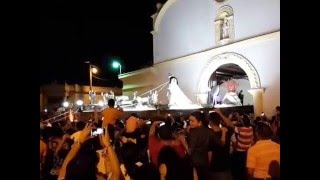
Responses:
[193,38]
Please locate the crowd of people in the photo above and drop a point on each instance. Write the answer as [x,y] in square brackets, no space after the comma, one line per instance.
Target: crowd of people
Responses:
[201,146]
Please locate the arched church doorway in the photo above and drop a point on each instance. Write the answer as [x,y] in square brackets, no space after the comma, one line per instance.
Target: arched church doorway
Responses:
[229,86]
[240,64]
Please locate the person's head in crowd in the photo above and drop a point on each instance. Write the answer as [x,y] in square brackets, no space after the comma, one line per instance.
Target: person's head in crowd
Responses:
[56,132]
[177,168]
[215,119]
[84,164]
[135,169]
[63,124]
[80,125]
[178,123]
[66,147]
[197,119]
[131,124]
[177,132]
[263,131]
[278,110]
[246,121]
[52,135]
[276,118]
[264,118]
[141,122]
[173,125]
[111,103]
[258,119]
[46,133]
[234,116]
[170,119]
[120,124]
[135,115]
[164,131]
[70,131]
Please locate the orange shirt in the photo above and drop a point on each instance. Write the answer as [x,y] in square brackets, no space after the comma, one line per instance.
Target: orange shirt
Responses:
[131,124]
[261,155]
[110,115]
[102,165]
[43,149]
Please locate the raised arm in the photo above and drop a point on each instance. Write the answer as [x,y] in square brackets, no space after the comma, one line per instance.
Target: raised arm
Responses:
[184,143]
[64,138]
[95,115]
[153,128]
[225,119]
[74,150]
[115,165]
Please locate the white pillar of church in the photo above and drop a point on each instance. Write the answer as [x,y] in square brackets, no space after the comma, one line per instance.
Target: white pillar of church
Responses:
[257,94]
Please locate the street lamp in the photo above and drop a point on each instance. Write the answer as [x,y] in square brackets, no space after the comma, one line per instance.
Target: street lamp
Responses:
[100,103]
[79,102]
[116,64]
[93,70]
[65,104]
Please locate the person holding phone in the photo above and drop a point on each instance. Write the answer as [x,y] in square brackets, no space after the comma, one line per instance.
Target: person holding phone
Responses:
[241,141]
[82,160]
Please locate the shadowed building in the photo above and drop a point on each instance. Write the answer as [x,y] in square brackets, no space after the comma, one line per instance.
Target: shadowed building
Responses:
[53,95]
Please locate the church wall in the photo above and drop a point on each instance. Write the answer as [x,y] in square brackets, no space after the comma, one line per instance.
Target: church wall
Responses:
[184,29]
[186,71]
[265,57]
[262,52]
[188,26]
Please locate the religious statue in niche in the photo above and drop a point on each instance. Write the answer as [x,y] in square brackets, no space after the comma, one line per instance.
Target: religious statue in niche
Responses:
[158,6]
[154,16]
[225,28]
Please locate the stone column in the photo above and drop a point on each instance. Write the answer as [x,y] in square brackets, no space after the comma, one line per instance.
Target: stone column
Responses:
[257,94]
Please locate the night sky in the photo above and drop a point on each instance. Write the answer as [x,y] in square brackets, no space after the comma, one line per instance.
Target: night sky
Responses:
[71,34]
